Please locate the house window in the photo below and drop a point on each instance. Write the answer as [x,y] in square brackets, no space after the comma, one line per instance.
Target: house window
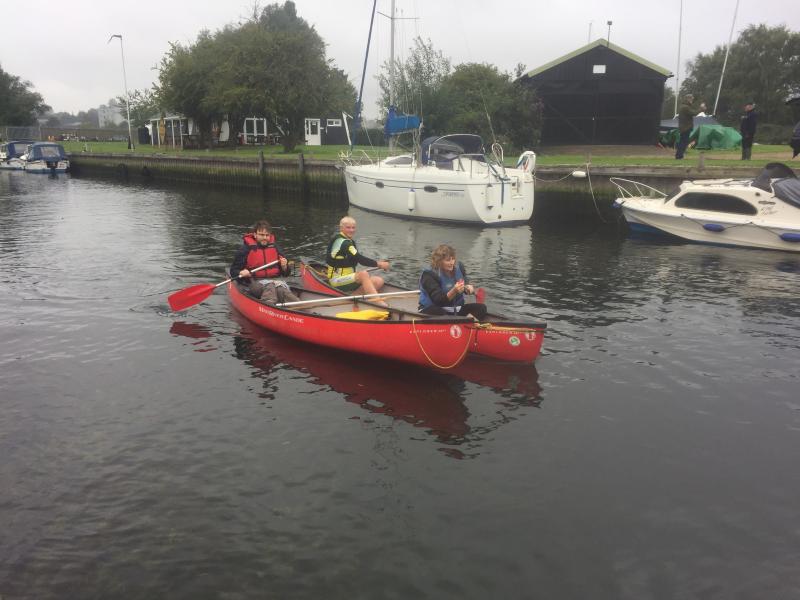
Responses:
[334,123]
[716,203]
[599,69]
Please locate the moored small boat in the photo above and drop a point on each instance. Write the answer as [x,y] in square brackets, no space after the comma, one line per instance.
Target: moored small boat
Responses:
[339,323]
[46,157]
[11,154]
[495,337]
[754,213]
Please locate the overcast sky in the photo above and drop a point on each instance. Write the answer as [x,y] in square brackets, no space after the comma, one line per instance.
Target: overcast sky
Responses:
[62,49]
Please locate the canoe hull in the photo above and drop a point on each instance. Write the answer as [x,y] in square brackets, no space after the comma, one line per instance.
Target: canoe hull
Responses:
[496,338]
[441,345]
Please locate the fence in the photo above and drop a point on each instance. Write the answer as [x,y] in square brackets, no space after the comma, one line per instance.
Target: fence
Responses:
[57,134]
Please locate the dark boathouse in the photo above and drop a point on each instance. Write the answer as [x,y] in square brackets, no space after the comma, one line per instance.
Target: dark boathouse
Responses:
[599,94]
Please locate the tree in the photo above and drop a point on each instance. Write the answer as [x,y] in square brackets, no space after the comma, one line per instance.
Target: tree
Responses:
[416,84]
[763,64]
[668,106]
[19,105]
[486,101]
[185,83]
[273,65]
[143,106]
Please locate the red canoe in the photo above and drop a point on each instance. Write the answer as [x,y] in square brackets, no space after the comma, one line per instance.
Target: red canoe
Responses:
[496,337]
[338,323]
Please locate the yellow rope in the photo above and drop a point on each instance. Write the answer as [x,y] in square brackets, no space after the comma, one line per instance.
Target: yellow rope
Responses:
[430,360]
[494,327]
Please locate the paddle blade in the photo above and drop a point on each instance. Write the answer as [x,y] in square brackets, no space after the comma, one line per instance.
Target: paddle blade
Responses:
[480,295]
[190,296]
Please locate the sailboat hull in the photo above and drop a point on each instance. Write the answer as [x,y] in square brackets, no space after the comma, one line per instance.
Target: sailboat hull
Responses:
[473,193]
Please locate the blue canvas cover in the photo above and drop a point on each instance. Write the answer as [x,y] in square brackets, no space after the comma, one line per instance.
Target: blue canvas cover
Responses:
[46,151]
[398,122]
[17,148]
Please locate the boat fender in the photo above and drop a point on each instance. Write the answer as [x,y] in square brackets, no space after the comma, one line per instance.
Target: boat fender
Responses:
[578,174]
[412,199]
[526,161]
[715,227]
[790,237]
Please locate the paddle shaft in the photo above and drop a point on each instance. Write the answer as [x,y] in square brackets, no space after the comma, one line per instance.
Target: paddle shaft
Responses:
[183,299]
[334,299]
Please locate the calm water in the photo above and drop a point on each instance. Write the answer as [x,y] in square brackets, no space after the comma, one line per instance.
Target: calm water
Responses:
[652,452]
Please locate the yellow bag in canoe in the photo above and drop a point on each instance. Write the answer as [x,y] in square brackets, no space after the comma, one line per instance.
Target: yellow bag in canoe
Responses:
[364,315]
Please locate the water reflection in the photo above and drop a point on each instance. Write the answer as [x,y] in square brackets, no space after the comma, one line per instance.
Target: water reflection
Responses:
[431,401]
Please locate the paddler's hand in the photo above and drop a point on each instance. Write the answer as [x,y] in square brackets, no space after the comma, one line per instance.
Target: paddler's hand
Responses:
[469,288]
[383,264]
[283,263]
[244,274]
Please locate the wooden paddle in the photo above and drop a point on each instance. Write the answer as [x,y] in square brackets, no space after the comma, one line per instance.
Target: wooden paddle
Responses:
[183,299]
[334,299]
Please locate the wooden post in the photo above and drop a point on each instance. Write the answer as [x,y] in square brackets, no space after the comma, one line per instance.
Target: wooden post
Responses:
[262,171]
[701,161]
[301,164]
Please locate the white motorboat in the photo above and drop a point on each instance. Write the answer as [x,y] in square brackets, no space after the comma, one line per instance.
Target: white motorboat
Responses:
[46,157]
[11,154]
[756,213]
[452,179]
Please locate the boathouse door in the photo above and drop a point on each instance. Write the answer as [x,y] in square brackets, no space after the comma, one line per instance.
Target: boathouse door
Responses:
[313,135]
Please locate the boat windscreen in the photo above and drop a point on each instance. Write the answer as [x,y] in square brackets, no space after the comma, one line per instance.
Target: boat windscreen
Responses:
[448,147]
[45,151]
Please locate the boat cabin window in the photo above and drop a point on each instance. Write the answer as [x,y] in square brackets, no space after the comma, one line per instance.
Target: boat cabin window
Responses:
[716,203]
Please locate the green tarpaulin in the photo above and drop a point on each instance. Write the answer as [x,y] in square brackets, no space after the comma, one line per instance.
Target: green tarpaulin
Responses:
[716,137]
[707,137]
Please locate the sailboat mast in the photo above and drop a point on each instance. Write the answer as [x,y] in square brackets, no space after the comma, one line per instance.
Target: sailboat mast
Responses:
[725,62]
[392,139]
[678,67]
[357,119]
[391,58]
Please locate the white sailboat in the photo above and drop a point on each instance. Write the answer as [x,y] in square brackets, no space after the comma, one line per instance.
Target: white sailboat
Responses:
[446,178]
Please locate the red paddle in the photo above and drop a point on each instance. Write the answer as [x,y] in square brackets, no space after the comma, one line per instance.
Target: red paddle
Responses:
[480,295]
[183,299]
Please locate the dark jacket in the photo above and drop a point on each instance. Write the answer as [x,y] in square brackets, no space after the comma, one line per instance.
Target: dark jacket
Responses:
[686,117]
[747,126]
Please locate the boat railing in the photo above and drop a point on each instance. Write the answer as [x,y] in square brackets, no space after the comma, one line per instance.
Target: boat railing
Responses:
[636,189]
[350,159]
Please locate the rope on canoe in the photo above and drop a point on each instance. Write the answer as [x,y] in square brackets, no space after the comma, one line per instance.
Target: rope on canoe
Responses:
[493,327]
[427,356]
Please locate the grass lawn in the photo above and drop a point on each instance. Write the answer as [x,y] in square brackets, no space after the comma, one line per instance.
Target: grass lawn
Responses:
[598,156]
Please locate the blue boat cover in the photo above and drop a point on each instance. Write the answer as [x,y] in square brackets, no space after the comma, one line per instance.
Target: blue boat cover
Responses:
[398,122]
[46,151]
[17,148]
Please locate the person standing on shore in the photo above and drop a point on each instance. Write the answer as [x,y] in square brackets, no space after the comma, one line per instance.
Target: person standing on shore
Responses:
[685,125]
[747,127]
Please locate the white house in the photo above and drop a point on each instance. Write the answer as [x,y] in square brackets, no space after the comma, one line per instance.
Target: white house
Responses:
[110,115]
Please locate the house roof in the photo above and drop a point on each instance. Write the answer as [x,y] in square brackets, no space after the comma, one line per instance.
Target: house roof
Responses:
[595,44]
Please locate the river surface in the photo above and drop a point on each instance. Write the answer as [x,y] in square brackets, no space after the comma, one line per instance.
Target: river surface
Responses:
[653,451]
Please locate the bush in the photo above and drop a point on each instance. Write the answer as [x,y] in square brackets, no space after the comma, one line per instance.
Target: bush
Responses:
[769,133]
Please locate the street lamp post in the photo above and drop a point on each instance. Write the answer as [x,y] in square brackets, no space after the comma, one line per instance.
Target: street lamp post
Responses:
[125,83]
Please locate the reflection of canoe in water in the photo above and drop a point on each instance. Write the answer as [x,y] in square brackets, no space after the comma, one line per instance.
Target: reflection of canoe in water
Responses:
[416,396]
[496,337]
[321,319]
[420,397]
